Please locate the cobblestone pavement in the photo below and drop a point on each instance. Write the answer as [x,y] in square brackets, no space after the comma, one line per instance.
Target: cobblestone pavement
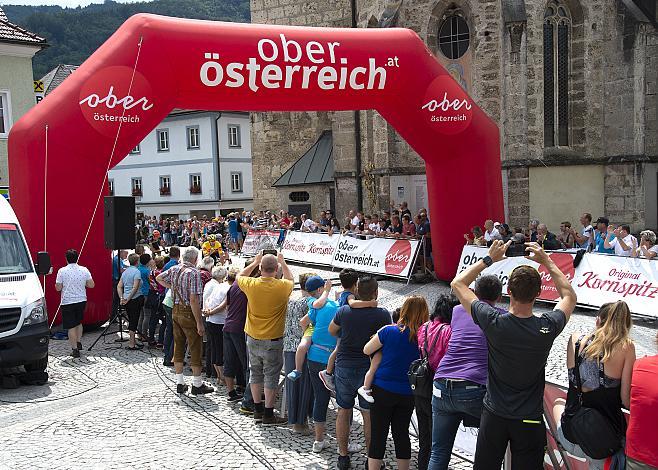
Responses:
[115,408]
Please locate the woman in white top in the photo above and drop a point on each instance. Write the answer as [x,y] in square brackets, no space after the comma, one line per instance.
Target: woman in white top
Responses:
[214,309]
[648,248]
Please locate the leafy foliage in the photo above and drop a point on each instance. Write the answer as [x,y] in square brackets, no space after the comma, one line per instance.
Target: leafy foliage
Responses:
[75,33]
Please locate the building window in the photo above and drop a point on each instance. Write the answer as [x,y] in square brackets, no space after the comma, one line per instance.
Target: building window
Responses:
[165,186]
[233,135]
[236,182]
[299,196]
[193,137]
[136,184]
[163,140]
[110,186]
[136,150]
[454,36]
[195,184]
[557,38]
[5,121]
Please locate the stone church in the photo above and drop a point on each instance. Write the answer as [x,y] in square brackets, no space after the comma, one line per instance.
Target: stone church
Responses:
[572,84]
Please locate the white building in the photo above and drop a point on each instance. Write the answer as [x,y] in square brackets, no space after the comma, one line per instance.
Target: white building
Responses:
[193,163]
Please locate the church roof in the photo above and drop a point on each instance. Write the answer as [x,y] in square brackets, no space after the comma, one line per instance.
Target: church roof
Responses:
[514,11]
[56,76]
[10,33]
[315,166]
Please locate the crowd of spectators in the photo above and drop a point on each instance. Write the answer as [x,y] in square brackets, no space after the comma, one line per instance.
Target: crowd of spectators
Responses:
[600,237]
[487,362]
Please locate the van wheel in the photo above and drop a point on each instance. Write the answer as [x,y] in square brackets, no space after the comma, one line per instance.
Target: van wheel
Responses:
[37,366]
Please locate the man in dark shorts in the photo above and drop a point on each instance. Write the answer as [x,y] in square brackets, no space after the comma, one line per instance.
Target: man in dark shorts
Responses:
[518,345]
[73,281]
[130,293]
[355,326]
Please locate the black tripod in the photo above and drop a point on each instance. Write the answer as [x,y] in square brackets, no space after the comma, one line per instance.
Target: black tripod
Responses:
[118,315]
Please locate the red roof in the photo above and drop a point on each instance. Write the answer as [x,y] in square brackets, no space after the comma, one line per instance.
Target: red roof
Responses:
[11,33]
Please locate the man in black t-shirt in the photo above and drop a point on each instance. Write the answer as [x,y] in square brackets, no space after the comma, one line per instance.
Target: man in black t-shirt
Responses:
[519,343]
[356,327]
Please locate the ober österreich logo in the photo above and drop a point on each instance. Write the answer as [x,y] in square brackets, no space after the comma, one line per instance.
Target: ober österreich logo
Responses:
[107,99]
[564,262]
[449,109]
[398,257]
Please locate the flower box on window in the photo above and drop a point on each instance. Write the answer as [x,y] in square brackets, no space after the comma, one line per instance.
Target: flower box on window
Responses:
[137,192]
[165,191]
[195,189]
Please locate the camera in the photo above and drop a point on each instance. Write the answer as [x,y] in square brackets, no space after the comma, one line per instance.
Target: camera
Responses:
[515,250]
[270,252]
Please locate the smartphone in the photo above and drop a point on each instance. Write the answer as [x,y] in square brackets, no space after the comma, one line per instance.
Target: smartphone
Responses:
[516,250]
[270,252]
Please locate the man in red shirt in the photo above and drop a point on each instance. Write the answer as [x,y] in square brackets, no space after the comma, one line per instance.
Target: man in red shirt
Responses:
[642,433]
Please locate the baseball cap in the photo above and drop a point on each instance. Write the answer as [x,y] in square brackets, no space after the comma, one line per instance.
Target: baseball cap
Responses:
[314,283]
[603,220]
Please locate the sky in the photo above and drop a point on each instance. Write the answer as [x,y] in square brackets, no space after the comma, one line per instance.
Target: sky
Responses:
[62,3]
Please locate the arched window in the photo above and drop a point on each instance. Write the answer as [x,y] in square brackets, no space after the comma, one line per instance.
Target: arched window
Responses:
[557,39]
[299,196]
[454,36]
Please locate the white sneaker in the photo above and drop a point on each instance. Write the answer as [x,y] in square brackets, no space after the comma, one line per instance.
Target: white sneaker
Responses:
[318,446]
[353,447]
[366,394]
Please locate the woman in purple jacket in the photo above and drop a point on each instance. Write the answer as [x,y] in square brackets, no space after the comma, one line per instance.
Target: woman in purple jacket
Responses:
[461,378]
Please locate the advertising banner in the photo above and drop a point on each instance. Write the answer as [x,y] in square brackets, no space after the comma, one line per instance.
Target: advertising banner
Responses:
[502,269]
[601,279]
[313,248]
[257,240]
[386,256]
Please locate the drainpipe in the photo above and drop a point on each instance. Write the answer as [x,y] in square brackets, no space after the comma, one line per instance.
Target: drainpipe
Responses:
[218,179]
[357,129]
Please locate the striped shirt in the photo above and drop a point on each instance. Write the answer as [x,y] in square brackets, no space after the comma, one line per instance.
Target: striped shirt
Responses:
[185,280]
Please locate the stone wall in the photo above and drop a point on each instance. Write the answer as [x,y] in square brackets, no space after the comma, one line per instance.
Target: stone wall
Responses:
[613,101]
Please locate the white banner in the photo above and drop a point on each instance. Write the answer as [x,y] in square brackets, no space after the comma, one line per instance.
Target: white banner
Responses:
[564,260]
[257,240]
[601,279]
[386,256]
[312,248]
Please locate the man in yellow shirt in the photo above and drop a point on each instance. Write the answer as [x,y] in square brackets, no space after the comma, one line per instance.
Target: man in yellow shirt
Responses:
[267,301]
[211,247]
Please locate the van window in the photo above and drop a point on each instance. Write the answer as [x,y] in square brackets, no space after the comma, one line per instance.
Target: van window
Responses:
[13,255]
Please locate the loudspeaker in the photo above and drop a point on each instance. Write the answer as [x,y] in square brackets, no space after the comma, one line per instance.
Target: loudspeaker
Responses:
[119,217]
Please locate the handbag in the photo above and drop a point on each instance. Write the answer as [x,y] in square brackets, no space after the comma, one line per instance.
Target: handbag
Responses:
[585,426]
[420,374]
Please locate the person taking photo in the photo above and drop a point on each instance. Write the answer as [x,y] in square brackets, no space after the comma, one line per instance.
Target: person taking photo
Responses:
[518,346]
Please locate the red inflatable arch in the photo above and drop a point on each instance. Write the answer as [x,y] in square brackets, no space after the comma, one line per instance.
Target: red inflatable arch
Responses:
[152,64]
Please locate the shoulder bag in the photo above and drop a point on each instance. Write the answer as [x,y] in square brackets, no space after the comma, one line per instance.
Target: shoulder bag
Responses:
[585,426]
[420,374]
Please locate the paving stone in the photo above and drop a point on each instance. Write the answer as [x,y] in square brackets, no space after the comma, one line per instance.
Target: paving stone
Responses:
[114,408]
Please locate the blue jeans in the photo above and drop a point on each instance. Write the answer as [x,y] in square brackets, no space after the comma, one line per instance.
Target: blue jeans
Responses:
[169,335]
[451,404]
[348,380]
[320,392]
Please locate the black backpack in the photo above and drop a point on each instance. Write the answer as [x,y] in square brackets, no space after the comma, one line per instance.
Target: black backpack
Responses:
[585,426]
[420,374]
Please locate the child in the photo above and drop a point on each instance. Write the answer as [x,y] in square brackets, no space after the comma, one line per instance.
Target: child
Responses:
[366,390]
[348,279]
[318,290]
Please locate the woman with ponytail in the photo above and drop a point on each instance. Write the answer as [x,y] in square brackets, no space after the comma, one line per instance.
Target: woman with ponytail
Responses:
[606,358]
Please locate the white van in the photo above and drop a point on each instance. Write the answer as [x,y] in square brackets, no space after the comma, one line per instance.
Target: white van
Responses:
[24,332]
